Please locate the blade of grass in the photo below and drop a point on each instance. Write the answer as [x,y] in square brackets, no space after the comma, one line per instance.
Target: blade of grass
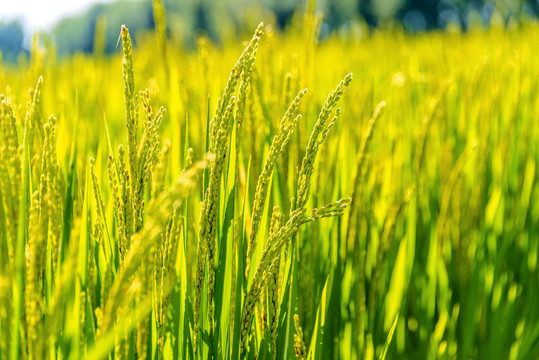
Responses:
[69,198]
[383,354]
[241,284]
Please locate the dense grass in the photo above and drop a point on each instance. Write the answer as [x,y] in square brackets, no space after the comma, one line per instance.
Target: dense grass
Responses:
[129,255]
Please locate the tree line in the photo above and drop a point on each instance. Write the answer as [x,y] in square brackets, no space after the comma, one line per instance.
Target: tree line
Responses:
[187,18]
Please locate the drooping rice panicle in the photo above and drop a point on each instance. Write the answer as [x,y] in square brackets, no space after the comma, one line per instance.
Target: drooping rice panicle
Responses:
[147,156]
[113,184]
[125,213]
[240,66]
[273,283]
[220,131]
[55,187]
[243,92]
[10,164]
[272,249]
[317,137]
[34,259]
[44,226]
[131,105]
[287,126]
[164,274]
[209,231]
[98,198]
[143,242]
[33,115]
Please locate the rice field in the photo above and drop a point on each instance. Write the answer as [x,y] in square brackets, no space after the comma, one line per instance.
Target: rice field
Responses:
[371,195]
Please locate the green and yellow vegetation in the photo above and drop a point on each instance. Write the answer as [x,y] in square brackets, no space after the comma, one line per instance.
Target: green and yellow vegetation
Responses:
[220,214]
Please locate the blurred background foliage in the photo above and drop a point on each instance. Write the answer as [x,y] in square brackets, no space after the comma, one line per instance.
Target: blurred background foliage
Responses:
[187,19]
[11,36]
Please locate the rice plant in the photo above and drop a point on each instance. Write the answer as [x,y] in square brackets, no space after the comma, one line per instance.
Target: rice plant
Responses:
[253,201]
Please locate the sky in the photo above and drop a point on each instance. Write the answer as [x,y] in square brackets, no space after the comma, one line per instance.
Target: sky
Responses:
[42,14]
